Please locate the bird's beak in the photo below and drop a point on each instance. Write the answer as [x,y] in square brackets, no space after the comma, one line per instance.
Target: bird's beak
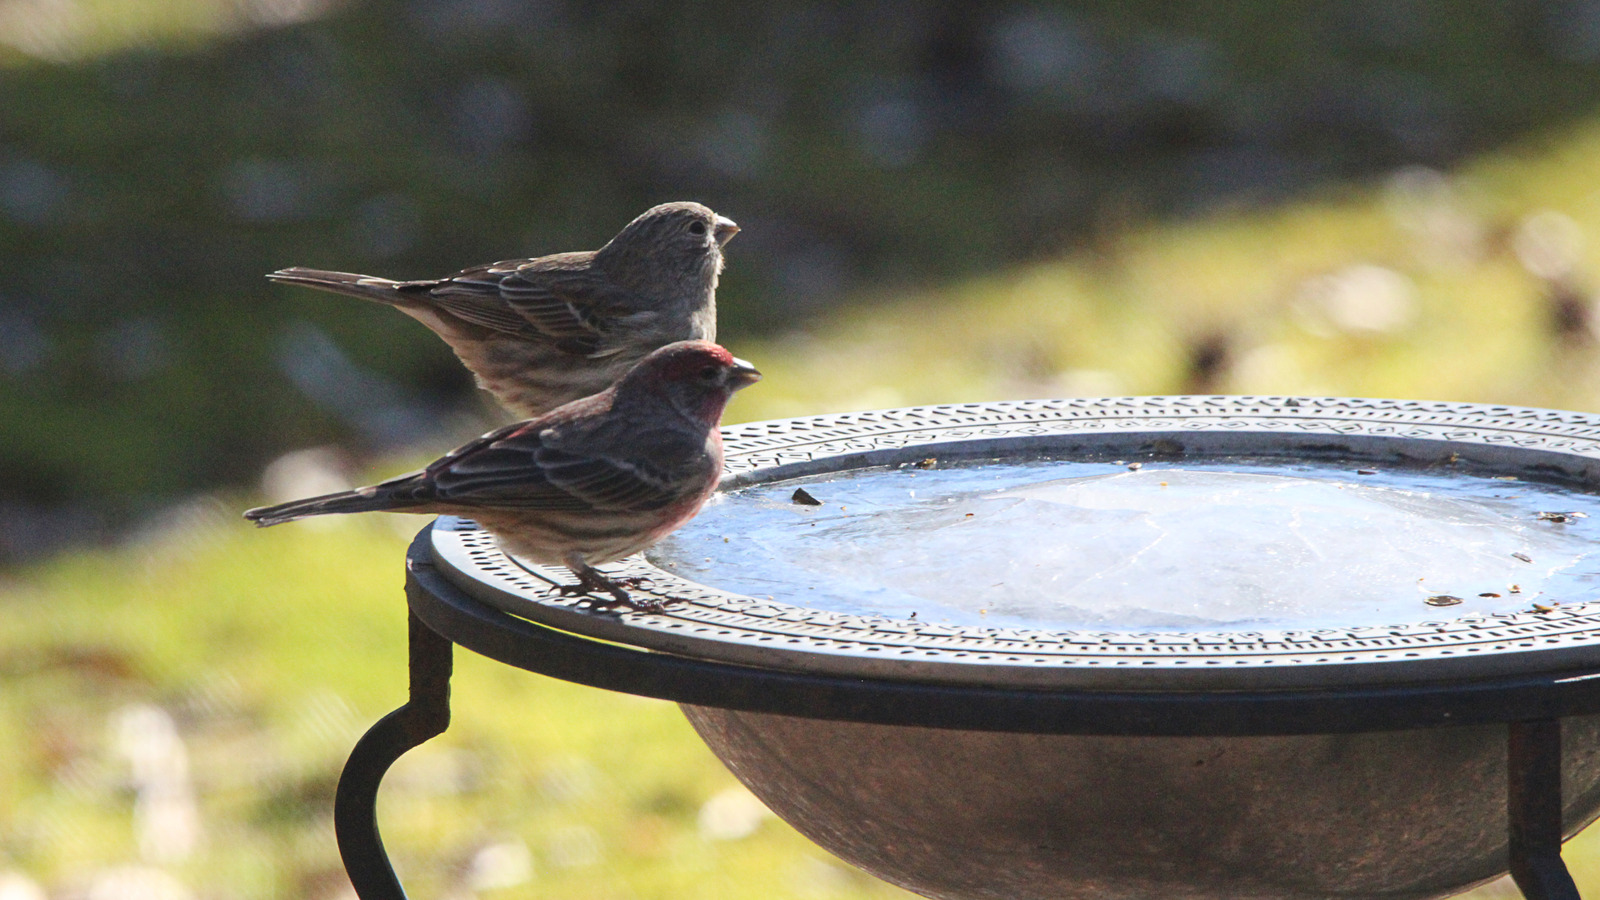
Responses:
[742,375]
[724,229]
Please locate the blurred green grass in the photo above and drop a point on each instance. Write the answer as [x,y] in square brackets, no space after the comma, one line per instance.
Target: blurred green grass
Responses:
[179,150]
[1125,316]
[273,650]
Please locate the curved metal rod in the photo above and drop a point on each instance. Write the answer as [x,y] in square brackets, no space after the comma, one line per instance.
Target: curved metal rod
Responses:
[355,806]
[1533,754]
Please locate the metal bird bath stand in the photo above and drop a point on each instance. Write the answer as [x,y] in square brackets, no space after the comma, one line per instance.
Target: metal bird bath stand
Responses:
[1281,749]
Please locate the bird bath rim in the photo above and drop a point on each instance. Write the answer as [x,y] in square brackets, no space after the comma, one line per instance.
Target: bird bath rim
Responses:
[1547,445]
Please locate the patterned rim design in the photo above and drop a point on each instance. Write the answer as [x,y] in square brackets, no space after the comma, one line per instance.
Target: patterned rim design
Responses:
[1546,445]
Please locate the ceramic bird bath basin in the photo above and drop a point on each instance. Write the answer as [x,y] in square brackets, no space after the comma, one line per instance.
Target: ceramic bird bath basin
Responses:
[1175,550]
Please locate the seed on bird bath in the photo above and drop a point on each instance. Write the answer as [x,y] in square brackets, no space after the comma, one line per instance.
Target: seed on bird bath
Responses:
[1488,594]
[928,463]
[804,498]
[1522,556]
[1516,589]
[1540,607]
[1560,518]
[1505,478]
[1442,600]
[1134,467]
[1366,471]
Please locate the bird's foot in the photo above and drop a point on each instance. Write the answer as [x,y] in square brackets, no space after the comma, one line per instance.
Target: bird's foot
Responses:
[591,582]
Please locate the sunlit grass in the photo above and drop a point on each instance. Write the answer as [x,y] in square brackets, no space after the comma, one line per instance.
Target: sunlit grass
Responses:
[34,31]
[1473,323]
[272,650]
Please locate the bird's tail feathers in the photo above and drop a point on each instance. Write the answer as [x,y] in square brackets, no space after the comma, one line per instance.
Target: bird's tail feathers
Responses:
[368,499]
[366,287]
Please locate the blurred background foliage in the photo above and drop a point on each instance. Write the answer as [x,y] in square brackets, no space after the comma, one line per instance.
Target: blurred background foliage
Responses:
[157,158]
[941,202]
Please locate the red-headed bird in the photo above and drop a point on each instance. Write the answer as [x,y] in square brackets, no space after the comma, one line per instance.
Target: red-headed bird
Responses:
[587,483]
[537,333]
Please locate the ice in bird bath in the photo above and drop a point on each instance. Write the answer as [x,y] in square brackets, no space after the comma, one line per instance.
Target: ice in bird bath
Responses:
[1225,545]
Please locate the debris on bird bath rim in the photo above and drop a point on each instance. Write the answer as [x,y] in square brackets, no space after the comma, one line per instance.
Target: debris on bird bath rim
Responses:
[1442,600]
[804,498]
[1166,447]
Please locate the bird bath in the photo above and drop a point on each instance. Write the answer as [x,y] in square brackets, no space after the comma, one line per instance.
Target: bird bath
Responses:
[1224,544]
[1198,647]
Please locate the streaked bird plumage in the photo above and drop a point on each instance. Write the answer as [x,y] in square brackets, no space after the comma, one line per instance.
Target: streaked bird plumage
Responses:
[588,483]
[537,333]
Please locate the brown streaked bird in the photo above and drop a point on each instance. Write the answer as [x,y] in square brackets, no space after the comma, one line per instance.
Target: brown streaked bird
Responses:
[585,484]
[537,333]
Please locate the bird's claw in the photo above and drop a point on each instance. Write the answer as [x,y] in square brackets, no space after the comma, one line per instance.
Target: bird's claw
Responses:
[616,587]
[649,605]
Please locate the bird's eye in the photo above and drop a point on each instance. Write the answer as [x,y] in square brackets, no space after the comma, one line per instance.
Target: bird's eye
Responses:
[698,227]
[709,373]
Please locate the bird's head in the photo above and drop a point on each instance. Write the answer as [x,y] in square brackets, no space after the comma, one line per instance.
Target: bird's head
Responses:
[695,377]
[672,243]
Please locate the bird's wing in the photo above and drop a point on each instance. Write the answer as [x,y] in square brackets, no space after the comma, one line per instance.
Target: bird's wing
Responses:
[611,483]
[569,300]
[473,295]
[561,298]
[515,468]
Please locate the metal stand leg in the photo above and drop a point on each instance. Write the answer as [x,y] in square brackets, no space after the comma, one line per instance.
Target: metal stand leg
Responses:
[355,813]
[1534,802]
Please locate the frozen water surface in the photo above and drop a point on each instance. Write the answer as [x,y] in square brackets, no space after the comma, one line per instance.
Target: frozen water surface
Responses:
[1230,545]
